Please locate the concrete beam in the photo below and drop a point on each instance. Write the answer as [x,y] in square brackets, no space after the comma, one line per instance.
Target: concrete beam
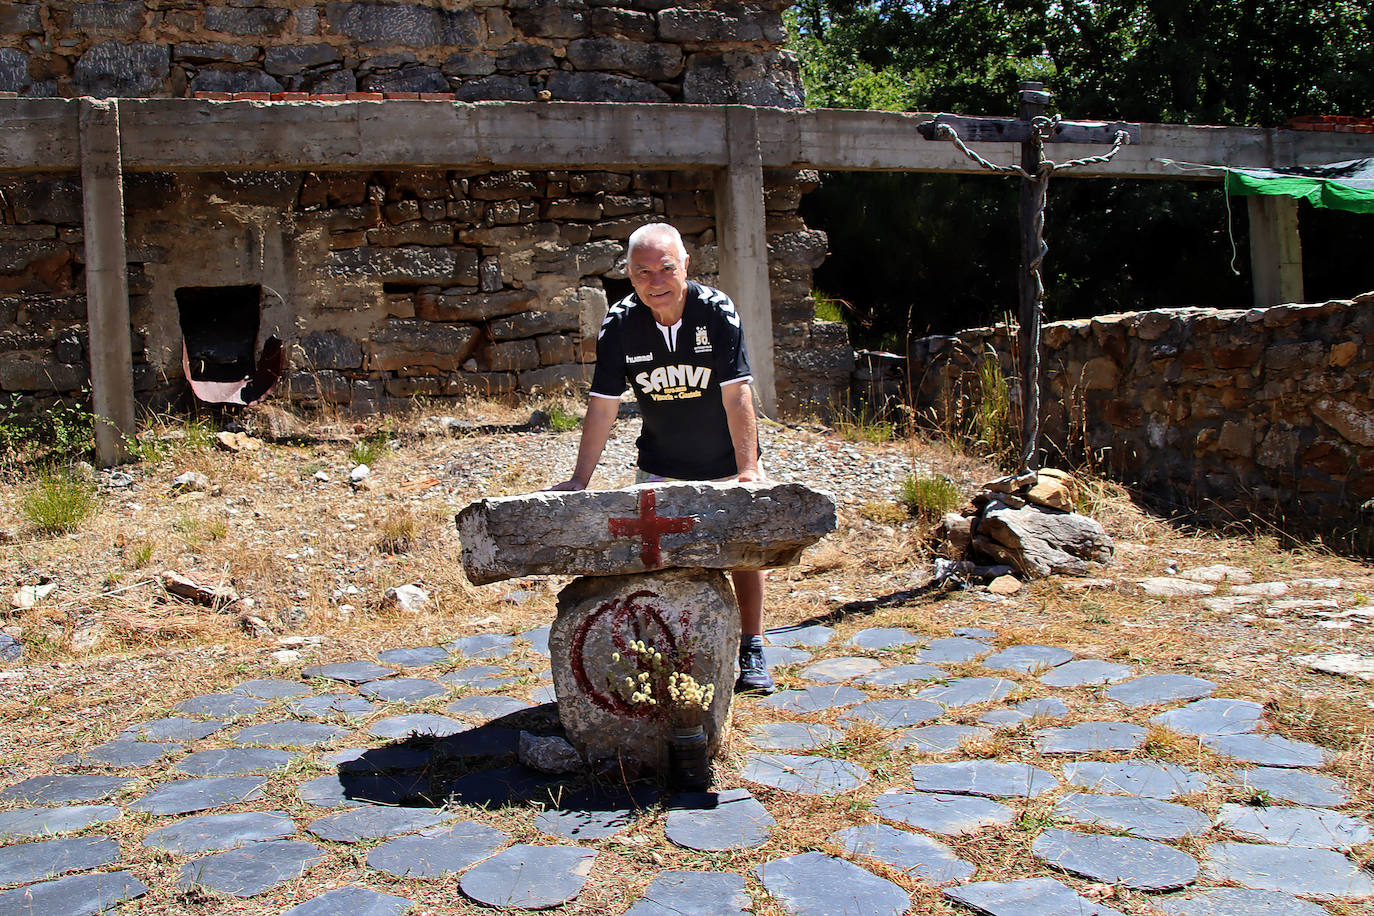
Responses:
[107,285]
[1275,250]
[742,248]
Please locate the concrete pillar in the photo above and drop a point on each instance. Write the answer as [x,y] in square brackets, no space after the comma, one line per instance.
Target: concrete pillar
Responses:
[742,246]
[1275,250]
[107,284]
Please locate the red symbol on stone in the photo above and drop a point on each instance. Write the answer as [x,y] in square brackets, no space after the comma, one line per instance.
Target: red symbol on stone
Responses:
[648,526]
[624,620]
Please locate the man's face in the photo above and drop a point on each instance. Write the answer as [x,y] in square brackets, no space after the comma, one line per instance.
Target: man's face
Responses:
[659,275]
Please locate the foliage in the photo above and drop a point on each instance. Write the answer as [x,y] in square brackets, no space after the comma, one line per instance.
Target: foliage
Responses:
[369,449]
[61,433]
[58,501]
[947,257]
[929,498]
[828,308]
[861,424]
[994,420]
[561,419]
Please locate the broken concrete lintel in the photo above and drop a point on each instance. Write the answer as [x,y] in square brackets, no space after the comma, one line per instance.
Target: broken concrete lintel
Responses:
[613,532]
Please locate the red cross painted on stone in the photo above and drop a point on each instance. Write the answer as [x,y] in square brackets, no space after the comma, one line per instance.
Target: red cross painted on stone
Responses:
[648,526]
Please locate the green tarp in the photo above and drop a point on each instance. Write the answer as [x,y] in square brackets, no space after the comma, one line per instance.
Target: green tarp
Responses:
[1337,186]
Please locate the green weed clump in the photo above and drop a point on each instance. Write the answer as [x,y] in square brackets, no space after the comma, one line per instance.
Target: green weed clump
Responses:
[827,308]
[561,419]
[62,433]
[367,450]
[929,497]
[59,502]
[861,424]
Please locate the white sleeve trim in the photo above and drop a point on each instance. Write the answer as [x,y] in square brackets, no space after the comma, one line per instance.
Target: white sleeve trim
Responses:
[742,378]
[609,397]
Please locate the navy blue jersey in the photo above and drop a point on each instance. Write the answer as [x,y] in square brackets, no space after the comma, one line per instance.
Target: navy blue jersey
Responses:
[685,433]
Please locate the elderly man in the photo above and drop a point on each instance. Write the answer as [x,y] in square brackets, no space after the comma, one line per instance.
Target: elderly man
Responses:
[679,345]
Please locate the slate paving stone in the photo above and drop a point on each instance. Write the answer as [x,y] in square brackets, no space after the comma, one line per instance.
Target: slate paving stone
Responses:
[596,813]
[843,668]
[967,691]
[1267,750]
[694,893]
[253,869]
[1085,672]
[975,632]
[1235,901]
[541,695]
[374,822]
[951,650]
[1295,826]
[220,705]
[182,796]
[814,699]
[534,877]
[1212,716]
[1160,688]
[221,831]
[75,895]
[291,734]
[799,636]
[1139,864]
[174,728]
[785,656]
[122,752]
[717,821]
[947,815]
[444,850]
[483,645]
[66,788]
[380,759]
[804,774]
[486,706]
[936,739]
[234,761]
[983,777]
[1026,897]
[331,706]
[1146,778]
[883,638]
[25,863]
[901,675]
[792,736]
[417,657]
[895,713]
[538,638]
[403,690]
[1027,659]
[1146,818]
[920,856]
[416,724]
[272,688]
[1048,707]
[483,741]
[354,672]
[352,901]
[1090,738]
[1297,870]
[500,786]
[335,790]
[19,823]
[1290,785]
[479,677]
[814,884]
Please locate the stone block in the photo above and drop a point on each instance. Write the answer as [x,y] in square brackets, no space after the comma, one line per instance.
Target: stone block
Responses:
[532,324]
[213,52]
[122,17]
[412,263]
[468,63]
[114,68]
[503,186]
[1040,543]
[234,80]
[649,61]
[14,69]
[289,60]
[551,19]
[254,20]
[612,532]
[416,233]
[718,26]
[510,356]
[19,19]
[496,88]
[330,350]
[403,343]
[453,306]
[688,616]
[525,58]
[572,208]
[603,87]
[323,385]
[487,384]
[576,376]
[405,25]
[1354,422]
[743,78]
[417,78]
[622,23]
[555,349]
[597,182]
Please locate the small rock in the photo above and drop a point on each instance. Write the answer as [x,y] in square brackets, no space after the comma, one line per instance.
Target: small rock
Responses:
[28,596]
[538,419]
[121,479]
[11,649]
[1166,587]
[359,473]
[408,598]
[285,657]
[218,597]
[1005,585]
[1218,572]
[237,442]
[321,476]
[958,531]
[1343,664]
[191,481]
[1055,489]
[87,632]
[255,627]
[548,754]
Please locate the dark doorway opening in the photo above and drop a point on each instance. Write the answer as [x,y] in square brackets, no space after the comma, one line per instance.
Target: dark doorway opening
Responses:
[220,327]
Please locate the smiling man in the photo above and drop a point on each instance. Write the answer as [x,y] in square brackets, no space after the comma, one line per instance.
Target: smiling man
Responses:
[680,347]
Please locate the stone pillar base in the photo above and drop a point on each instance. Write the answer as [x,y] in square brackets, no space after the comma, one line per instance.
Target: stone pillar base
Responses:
[688,615]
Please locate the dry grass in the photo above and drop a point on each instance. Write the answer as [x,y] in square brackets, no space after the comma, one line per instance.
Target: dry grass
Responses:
[316,557]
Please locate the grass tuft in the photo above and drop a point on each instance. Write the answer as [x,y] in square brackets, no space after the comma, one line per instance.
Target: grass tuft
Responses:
[929,497]
[59,502]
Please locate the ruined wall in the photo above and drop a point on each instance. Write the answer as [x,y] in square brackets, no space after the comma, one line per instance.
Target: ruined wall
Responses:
[1266,411]
[394,284]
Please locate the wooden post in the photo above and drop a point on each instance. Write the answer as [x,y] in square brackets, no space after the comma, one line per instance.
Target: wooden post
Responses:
[107,283]
[1033,99]
[742,247]
[1275,250]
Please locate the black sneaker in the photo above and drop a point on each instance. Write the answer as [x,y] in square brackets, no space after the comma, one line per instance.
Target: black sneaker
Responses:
[753,672]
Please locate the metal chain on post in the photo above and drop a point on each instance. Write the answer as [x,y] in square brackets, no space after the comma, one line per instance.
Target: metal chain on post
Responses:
[1042,128]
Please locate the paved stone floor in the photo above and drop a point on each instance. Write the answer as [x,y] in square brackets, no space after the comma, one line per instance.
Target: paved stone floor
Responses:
[400,764]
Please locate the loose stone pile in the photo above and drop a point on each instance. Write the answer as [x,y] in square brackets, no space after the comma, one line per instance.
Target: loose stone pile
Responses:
[396,771]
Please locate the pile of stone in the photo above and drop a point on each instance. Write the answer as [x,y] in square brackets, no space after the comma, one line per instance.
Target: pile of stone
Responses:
[1027,525]
[651,605]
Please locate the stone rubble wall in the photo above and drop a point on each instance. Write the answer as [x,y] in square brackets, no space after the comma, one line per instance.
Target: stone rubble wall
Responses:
[390,285]
[1228,413]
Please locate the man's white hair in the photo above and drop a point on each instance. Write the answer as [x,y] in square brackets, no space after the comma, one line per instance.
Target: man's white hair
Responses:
[658,231]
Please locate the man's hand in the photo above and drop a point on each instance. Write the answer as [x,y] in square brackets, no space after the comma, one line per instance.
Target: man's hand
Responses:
[750,475]
[573,484]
